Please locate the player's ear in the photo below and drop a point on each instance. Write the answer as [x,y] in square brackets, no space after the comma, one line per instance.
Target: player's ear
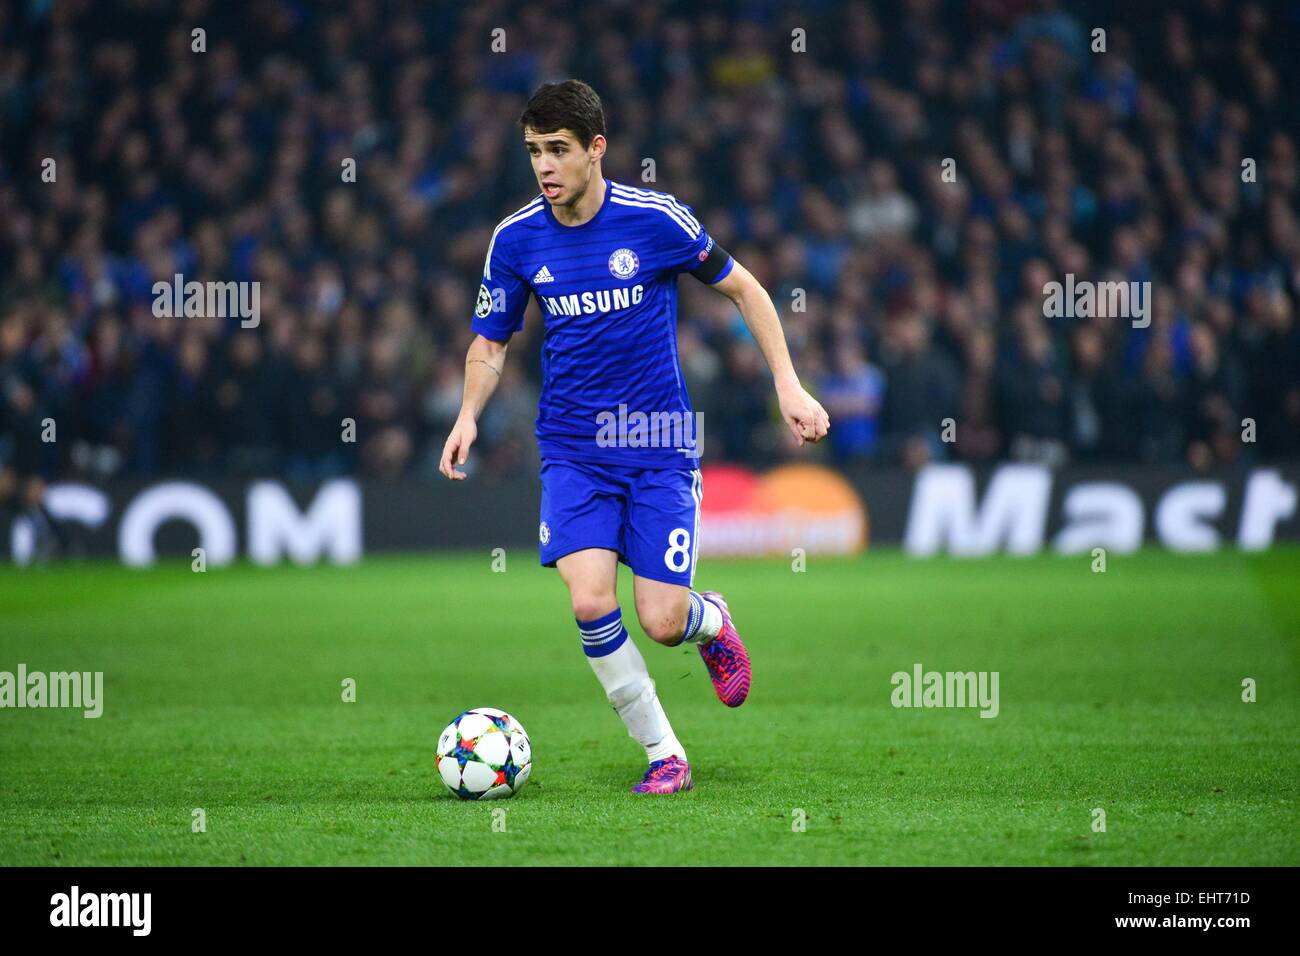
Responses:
[597,148]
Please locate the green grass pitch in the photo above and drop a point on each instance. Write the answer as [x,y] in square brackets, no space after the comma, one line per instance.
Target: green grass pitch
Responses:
[1120,691]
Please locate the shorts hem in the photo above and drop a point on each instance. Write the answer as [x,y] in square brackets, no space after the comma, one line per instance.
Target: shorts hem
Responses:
[665,577]
[550,563]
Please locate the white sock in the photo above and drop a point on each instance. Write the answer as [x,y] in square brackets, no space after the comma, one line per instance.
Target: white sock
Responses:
[621,670]
[703,620]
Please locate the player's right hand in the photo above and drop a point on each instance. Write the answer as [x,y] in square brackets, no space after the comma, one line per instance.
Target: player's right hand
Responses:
[454,453]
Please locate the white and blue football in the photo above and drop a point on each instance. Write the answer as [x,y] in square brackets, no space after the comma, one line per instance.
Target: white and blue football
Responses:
[484,754]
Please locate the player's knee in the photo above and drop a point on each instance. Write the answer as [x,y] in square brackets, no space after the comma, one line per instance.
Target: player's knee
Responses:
[590,606]
[662,625]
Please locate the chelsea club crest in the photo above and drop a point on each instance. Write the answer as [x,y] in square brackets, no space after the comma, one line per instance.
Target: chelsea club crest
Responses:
[623,264]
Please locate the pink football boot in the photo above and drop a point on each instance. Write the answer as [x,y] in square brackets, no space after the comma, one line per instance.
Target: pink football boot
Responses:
[726,658]
[666,776]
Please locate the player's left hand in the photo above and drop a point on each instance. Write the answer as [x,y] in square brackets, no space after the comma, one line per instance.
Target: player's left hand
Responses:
[804,414]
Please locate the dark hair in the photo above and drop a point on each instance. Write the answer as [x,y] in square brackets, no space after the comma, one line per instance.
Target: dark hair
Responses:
[571,105]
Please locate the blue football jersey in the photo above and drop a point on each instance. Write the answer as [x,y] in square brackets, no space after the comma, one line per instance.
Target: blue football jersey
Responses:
[612,385]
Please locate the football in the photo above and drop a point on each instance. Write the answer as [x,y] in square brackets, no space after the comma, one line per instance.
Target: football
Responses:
[484,754]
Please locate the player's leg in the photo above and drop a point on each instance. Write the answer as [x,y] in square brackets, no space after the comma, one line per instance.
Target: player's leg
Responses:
[591,576]
[583,509]
[673,614]
[662,548]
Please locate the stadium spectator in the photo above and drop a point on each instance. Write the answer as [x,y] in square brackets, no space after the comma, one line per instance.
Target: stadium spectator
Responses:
[905,188]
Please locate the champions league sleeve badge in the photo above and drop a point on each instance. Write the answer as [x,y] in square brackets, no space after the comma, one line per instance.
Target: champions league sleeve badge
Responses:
[483,307]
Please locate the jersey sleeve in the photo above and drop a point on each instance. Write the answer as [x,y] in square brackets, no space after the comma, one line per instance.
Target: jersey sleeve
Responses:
[689,248]
[502,296]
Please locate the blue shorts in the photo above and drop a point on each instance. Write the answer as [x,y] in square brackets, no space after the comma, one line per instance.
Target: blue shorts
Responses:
[650,516]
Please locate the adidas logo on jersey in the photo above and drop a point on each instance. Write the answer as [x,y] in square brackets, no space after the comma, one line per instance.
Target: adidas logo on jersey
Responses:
[543,275]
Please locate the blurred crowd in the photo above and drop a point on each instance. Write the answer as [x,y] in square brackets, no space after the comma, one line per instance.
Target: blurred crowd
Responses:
[904,177]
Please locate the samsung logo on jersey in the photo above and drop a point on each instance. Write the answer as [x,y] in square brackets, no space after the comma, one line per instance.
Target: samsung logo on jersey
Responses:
[593,303]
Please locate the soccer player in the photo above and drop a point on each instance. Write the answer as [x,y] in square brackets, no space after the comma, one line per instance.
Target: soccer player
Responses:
[602,259]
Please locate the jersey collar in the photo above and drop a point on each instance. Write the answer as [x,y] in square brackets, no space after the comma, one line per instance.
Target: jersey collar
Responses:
[590,222]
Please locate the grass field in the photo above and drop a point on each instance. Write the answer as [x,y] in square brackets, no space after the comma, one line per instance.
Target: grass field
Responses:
[1119,691]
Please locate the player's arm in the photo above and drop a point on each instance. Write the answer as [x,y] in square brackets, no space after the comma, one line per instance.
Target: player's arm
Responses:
[803,413]
[483,364]
[498,314]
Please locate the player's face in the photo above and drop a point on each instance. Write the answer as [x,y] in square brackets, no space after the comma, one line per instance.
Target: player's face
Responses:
[562,167]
